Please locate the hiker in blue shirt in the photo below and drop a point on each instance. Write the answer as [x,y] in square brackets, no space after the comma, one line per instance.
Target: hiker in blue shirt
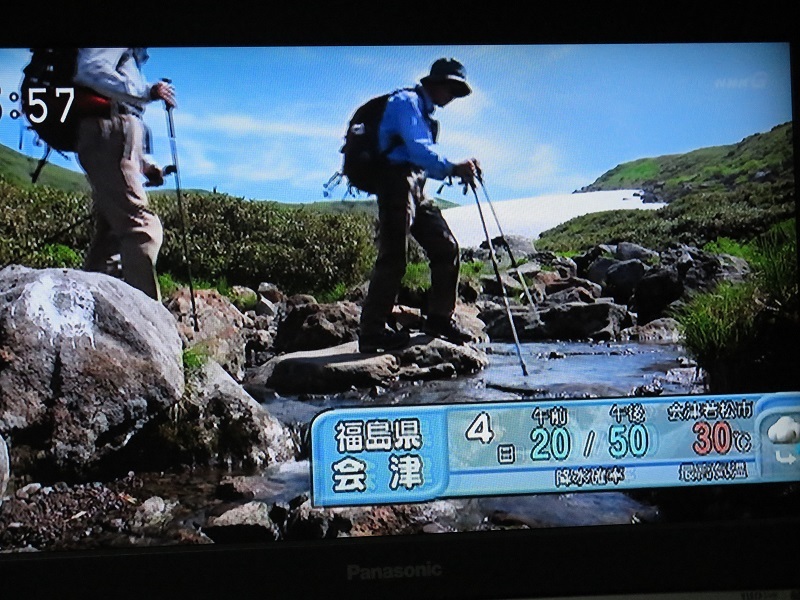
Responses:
[409,133]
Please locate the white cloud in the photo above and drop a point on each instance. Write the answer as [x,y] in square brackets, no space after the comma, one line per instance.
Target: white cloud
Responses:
[755,81]
[232,124]
[784,431]
[469,107]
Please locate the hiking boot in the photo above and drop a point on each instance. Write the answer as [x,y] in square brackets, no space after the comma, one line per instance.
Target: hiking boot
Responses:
[447,328]
[384,341]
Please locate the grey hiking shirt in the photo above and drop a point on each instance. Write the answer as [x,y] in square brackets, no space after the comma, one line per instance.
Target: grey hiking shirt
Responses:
[115,73]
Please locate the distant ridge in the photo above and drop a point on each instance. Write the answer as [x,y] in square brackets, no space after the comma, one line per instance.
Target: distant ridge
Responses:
[760,158]
[17,169]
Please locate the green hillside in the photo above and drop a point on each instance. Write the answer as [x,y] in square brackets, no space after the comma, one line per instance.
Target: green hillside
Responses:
[763,157]
[17,169]
[736,191]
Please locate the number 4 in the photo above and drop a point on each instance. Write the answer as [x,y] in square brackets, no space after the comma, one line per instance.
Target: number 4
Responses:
[480,429]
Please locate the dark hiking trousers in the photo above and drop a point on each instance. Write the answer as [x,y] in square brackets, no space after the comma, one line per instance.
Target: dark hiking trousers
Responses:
[403,209]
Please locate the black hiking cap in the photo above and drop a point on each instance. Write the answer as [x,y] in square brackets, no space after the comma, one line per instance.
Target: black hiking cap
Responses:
[449,70]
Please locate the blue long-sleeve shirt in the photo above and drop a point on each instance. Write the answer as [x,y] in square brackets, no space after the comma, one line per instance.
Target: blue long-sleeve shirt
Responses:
[407,118]
[115,73]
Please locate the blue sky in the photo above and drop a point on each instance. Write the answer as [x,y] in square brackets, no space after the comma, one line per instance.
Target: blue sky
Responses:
[268,123]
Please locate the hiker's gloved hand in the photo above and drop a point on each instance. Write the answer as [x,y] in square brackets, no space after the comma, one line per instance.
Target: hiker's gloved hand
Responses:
[467,171]
[164,91]
[155,176]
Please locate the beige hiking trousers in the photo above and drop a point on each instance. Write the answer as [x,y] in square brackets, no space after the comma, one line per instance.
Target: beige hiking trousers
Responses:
[111,152]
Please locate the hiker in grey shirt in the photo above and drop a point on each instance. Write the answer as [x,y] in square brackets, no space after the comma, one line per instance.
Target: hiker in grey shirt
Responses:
[112,150]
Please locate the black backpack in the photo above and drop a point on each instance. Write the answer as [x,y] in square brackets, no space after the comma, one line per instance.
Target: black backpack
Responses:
[53,104]
[363,161]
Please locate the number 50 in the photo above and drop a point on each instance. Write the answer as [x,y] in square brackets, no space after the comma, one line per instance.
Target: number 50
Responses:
[33,101]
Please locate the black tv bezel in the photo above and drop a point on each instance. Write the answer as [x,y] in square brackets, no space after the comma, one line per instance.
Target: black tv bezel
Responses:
[752,554]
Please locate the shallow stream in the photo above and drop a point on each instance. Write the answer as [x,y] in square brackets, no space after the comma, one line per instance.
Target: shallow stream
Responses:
[556,370]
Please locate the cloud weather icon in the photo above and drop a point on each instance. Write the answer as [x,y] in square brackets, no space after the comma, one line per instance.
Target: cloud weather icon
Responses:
[785,430]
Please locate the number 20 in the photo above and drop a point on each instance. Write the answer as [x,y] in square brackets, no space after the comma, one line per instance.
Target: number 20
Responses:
[33,101]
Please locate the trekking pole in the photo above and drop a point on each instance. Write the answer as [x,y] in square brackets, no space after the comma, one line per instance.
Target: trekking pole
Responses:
[508,246]
[500,282]
[184,233]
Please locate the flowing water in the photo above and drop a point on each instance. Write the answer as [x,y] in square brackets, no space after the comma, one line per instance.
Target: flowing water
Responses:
[556,370]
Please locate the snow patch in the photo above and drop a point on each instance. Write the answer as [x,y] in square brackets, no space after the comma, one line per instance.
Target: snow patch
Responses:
[529,217]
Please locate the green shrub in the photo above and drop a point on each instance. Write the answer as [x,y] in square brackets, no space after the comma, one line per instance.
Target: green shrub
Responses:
[57,256]
[247,242]
[167,284]
[337,293]
[417,277]
[717,323]
[775,262]
[745,335]
[194,358]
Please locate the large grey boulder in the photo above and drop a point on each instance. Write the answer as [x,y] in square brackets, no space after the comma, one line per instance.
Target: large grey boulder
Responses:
[85,361]
[5,468]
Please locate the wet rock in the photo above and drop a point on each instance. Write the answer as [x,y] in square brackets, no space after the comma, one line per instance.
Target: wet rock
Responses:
[664,330]
[304,522]
[554,284]
[327,370]
[510,285]
[342,367]
[655,292]
[600,321]
[527,323]
[438,355]
[152,516]
[313,326]
[649,390]
[468,291]
[271,292]
[242,524]
[561,265]
[28,491]
[87,361]
[622,278]
[244,488]
[733,268]
[216,424]
[598,270]
[574,294]
[222,336]
[628,251]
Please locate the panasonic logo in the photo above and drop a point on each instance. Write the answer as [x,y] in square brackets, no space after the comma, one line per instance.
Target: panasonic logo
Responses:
[357,572]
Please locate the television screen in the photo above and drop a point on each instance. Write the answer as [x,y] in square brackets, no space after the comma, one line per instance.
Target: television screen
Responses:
[356,307]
